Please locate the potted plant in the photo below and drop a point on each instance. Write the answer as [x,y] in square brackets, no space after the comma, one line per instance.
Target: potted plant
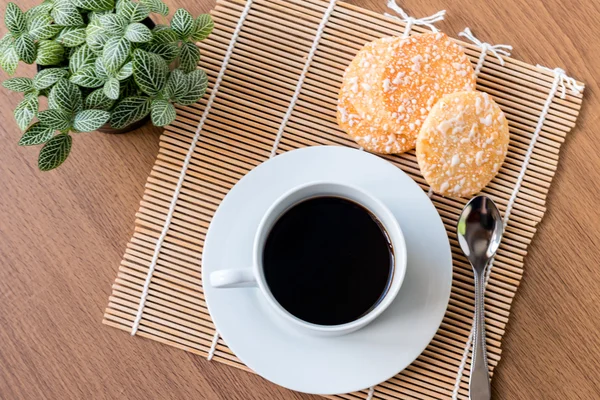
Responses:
[102,66]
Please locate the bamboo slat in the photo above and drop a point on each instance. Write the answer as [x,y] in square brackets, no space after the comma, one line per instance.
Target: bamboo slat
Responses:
[239,133]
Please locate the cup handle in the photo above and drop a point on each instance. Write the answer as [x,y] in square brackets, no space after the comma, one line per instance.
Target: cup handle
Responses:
[233,278]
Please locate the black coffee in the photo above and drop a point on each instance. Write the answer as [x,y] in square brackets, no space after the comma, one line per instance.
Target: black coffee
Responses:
[328,261]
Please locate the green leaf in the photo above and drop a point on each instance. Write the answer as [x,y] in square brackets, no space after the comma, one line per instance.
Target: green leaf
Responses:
[189,56]
[90,120]
[81,57]
[94,5]
[72,36]
[48,77]
[9,59]
[138,33]
[55,119]
[41,9]
[97,100]
[168,51]
[156,6]
[26,110]
[133,12]
[66,96]
[111,88]
[95,15]
[149,71]
[36,134]
[101,71]
[125,72]
[116,51]
[203,26]
[66,14]
[130,110]
[197,84]
[86,77]
[163,34]
[15,19]
[55,152]
[41,27]
[129,89]
[49,53]
[18,84]
[96,36]
[182,23]
[25,48]
[162,112]
[6,41]
[113,24]
[177,85]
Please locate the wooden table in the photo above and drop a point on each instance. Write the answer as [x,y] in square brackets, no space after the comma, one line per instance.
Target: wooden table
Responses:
[62,235]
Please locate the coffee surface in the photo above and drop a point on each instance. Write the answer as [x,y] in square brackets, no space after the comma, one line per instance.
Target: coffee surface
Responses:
[328,261]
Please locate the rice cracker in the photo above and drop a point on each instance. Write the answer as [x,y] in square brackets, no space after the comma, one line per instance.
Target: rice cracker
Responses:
[462,143]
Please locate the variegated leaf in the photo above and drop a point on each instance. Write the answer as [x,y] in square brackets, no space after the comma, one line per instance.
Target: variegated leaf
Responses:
[40,9]
[9,59]
[41,27]
[95,15]
[94,5]
[125,72]
[138,33]
[66,14]
[25,48]
[182,23]
[130,110]
[163,34]
[65,95]
[197,84]
[168,51]
[49,52]
[98,100]
[156,6]
[18,84]
[86,77]
[26,110]
[55,152]
[133,12]
[14,19]
[90,120]
[81,57]
[129,89]
[6,41]
[203,26]
[189,55]
[48,77]
[116,51]
[55,119]
[149,71]
[111,88]
[71,36]
[101,71]
[162,112]
[177,85]
[113,24]
[36,134]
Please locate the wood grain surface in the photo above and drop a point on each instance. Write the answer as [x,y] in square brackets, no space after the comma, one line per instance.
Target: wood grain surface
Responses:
[62,235]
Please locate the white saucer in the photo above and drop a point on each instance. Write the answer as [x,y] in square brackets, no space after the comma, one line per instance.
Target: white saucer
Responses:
[322,365]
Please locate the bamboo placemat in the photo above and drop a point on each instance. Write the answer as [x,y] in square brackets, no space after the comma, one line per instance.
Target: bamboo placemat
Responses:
[269,60]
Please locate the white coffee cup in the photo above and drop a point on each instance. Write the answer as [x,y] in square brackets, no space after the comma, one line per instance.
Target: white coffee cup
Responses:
[254,276]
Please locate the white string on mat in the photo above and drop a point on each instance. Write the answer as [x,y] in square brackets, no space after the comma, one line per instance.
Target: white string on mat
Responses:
[370,393]
[411,21]
[560,79]
[213,346]
[186,163]
[300,82]
[497,50]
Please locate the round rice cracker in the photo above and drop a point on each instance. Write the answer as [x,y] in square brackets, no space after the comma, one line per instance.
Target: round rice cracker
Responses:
[368,130]
[462,143]
[420,70]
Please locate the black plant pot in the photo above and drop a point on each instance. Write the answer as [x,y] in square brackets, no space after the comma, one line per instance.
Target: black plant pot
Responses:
[106,128]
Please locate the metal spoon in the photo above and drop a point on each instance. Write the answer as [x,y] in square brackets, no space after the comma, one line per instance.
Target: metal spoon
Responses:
[479,233]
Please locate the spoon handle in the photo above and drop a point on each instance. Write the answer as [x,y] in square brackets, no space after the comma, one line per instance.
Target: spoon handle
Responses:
[479,385]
